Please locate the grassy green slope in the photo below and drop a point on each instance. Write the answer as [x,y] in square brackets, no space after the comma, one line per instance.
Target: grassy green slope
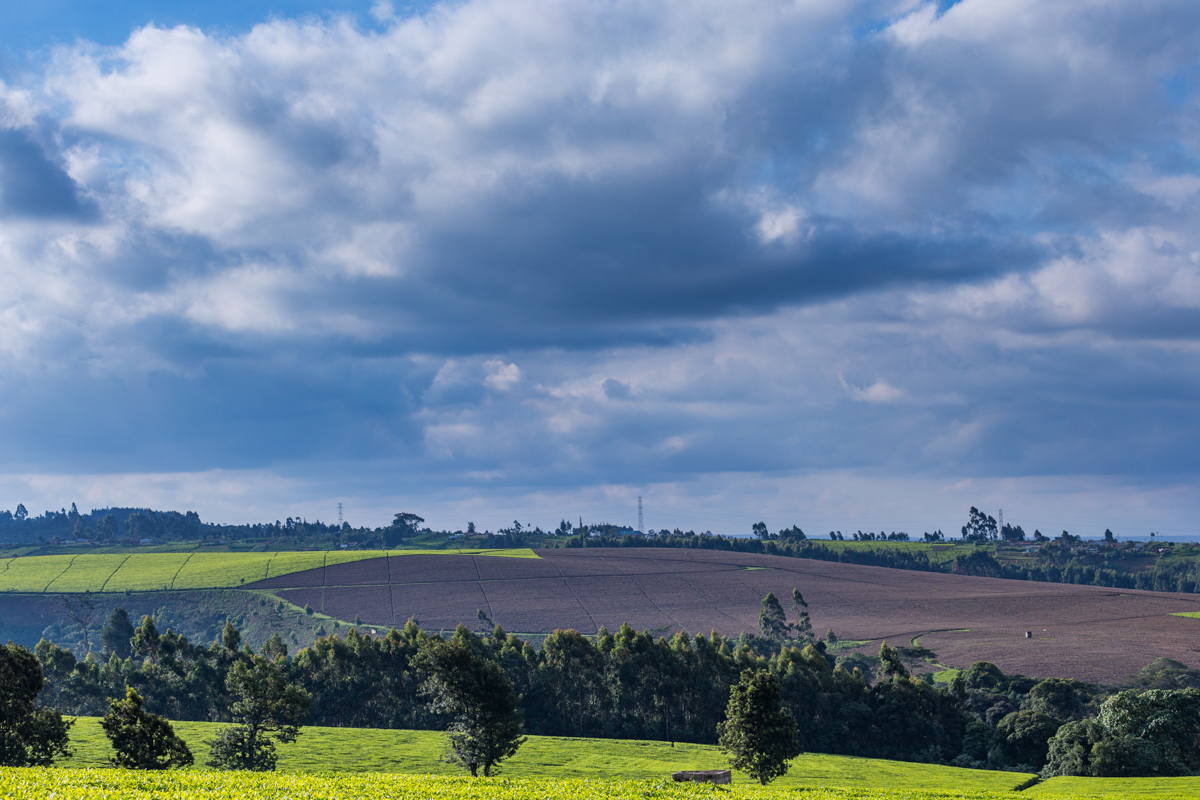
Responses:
[938,552]
[140,571]
[359,750]
[1113,788]
[418,752]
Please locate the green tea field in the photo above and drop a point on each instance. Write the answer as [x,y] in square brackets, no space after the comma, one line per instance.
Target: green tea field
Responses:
[391,751]
[542,758]
[98,784]
[141,572]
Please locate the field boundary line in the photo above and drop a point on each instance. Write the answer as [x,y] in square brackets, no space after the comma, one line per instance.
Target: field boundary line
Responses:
[710,602]
[630,575]
[648,597]
[1029,784]
[181,566]
[115,571]
[392,603]
[271,560]
[486,599]
[59,575]
[324,566]
[7,564]
[566,583]
[387,555]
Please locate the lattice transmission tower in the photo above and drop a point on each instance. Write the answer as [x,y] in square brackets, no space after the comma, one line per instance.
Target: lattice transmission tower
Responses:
[339,515]
[641,529]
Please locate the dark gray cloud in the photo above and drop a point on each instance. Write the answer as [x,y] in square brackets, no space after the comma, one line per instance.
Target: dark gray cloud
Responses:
[575,244]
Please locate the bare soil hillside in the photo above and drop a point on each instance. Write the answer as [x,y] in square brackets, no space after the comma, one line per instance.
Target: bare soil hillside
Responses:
[1085,632]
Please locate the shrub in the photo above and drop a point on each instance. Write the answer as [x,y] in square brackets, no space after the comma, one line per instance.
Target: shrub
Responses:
[140,739]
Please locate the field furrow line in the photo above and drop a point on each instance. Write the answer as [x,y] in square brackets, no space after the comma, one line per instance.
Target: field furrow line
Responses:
[483,591]
[392,604]
[707,600]
[523,578]
[651,599]
[181,566]
[59,575]
[532,578]
[114,572]
[567,583]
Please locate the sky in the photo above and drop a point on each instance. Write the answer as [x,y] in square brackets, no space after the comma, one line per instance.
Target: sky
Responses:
[846,265]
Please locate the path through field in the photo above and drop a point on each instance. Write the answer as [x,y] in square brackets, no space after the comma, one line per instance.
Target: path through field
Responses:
[1084,632]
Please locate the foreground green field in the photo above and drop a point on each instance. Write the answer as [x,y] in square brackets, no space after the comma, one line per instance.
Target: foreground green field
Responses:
[352,750]
[110,784]
[114,784]
[1112,788]
[141,572]
[365,750]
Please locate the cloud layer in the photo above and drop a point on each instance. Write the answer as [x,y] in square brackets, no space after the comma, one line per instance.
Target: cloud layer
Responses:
[531,245]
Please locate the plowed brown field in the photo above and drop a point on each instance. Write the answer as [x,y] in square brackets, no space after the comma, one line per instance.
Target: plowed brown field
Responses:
[1079,631]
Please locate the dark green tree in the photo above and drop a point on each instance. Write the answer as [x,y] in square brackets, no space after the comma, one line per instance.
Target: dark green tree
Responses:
[572,674]
[980,527]
[758,734]
[268,709]
[803,625]
[274,648]
[984,676]
[1024,736]
[231,637]
[890,663]
[81,610]
[771,620]
[403,527]
[1169,720]
[117,635]
[1136,734]
[142,740]
[106,528]
[29,737]
[1069,751]
[1129,757]
[139,526]
[792,534]
[1061,698]
[487,723]
[146,640]
[1012,533]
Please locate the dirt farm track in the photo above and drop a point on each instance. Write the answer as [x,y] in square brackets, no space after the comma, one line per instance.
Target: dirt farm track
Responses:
[1084,632]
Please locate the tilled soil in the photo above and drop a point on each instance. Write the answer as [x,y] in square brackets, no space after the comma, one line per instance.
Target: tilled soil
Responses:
[1084,632]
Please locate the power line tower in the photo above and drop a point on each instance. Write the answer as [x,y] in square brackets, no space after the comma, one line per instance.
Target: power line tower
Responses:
[641,528]
[1000,520]
[339,515]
